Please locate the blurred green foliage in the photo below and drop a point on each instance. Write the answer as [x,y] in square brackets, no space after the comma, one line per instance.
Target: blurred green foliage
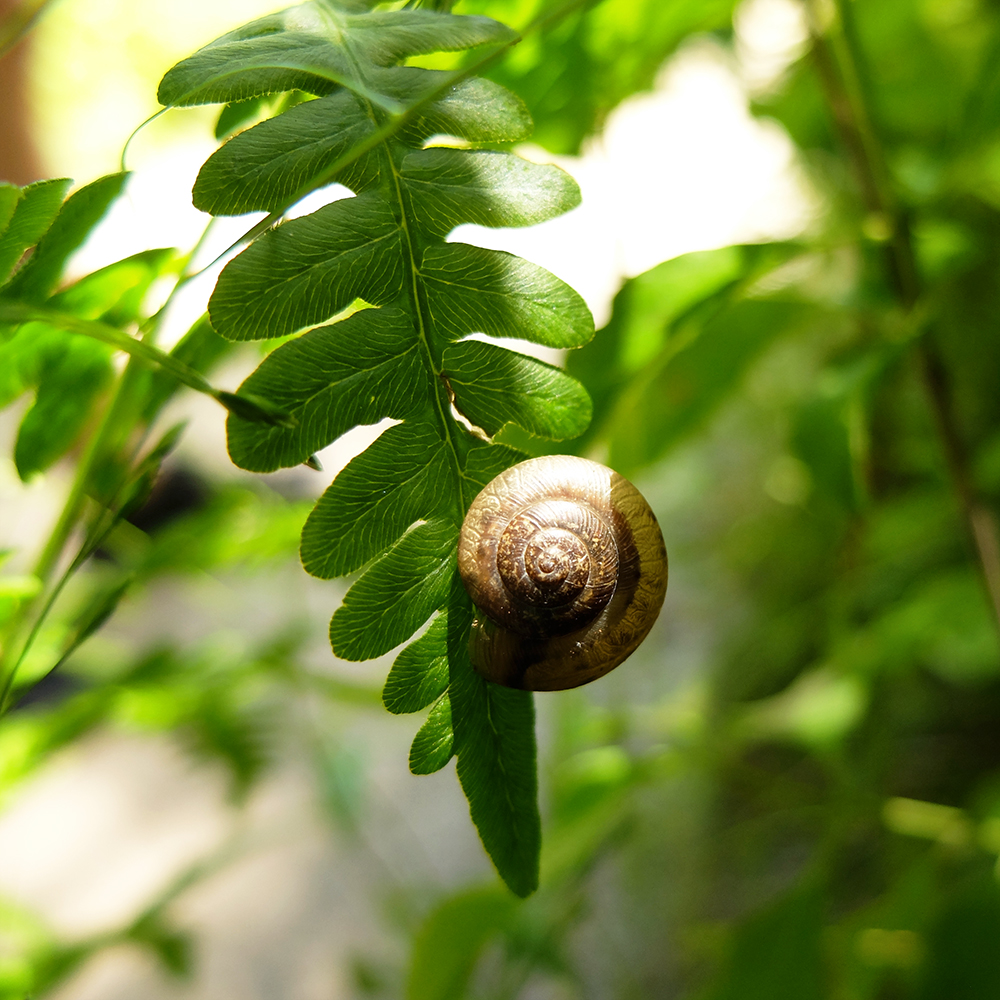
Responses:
[813,813]
[793,790]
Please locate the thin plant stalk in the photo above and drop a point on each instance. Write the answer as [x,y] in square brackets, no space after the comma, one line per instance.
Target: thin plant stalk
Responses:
[842,69]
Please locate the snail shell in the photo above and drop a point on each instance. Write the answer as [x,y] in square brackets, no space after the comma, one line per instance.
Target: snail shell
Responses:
[566,565]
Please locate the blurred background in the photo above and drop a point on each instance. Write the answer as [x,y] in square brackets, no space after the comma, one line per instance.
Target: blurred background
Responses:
[789,239]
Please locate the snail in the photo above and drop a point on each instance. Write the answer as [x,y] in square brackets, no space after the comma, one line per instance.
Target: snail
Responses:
[566,565]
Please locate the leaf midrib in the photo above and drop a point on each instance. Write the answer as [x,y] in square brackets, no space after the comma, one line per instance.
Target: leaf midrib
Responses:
[417,299]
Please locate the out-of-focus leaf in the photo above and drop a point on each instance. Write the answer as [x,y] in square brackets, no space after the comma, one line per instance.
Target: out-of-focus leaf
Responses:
[68,387]
[574,72]
[829,432]
[655,315]
[115,293]
[173,948]
[676,395]
[777,952]
[36,207]
[943,624]
[199,350]
[450,941]
[962,961]
[78,215]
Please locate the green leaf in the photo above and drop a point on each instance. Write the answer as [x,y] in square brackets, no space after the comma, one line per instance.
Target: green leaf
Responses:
[397,594]
[23,357]
[495,745]
[261,168]
[37,206]
[403,477]
[488,291]
[238,115]
[307,48]
[331,379]
[284,51]
[198,350]
[308,270]
[494,387]
[655,315]
[386,37]
[78,215]
[449,187]
[115,293]
[10,195]
[473,109]
[68,386]
[450,941]
[433,746]
[962,963]
[98,610]
[778,952]
[484,463]
[419,675]
[578,67]
[246,405]
[675,395]
[648,305]
[256,409]
[174,949]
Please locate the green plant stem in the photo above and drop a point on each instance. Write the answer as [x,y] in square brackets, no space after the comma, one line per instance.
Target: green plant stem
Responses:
[18,312]
[840,62]
[249,408]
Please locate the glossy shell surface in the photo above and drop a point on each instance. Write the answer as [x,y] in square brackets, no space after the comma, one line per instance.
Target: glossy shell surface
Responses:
[566,565]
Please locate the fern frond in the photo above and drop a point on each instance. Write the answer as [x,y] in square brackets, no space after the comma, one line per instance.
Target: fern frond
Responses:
[396,510]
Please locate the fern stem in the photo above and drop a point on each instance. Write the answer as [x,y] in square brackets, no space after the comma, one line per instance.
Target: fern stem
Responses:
[420,308]
[843,71]
[417,299]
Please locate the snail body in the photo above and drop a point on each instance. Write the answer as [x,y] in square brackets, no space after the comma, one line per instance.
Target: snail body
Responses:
[566,565]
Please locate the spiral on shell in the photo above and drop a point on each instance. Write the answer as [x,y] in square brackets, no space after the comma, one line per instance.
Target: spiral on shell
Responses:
[566,565]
